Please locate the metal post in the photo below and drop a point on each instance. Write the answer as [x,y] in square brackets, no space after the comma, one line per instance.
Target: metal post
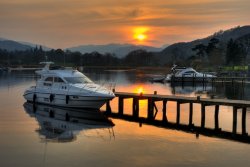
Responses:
[203,115]
[234,120]
[150,109]
[216,117]
[164,111]
[135,107]
[243,121]
[120,105]
[190,114]
[178,113]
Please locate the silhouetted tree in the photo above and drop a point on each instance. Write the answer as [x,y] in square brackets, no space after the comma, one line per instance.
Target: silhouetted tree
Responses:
[235,53]
[200,50]
[211,45]
[139,58]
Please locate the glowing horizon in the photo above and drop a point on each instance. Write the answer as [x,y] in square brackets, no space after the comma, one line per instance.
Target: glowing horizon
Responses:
[65,23]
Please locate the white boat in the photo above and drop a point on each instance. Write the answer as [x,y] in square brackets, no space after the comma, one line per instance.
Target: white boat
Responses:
[188,74]
[67,88]
[166,78]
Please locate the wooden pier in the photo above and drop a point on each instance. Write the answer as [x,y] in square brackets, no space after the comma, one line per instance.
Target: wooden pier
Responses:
[152,110]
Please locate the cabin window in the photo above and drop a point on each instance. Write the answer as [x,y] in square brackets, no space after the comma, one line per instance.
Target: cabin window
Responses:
[49,79]
[47,84]
[77,80]
[189,72]
[57,79]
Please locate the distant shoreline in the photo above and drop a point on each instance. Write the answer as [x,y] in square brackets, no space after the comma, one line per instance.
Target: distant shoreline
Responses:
[37,67]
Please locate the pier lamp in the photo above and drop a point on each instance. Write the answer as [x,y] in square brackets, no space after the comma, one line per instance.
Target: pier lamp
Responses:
[140,90]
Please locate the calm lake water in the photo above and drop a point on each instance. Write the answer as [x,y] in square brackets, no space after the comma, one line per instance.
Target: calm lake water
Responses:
[30,137]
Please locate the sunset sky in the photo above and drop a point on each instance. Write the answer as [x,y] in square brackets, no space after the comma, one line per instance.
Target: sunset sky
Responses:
[67,23]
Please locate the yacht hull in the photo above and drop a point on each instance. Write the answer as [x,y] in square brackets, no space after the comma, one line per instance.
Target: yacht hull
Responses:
[72,101]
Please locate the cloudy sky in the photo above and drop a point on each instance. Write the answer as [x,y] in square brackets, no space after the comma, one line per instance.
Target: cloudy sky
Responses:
[66,23]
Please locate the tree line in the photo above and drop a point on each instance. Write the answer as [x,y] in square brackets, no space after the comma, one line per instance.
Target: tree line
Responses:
[214,53]
[34,56]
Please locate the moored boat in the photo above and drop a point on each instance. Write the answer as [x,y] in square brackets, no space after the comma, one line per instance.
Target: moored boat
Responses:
[188,75]
[67,88]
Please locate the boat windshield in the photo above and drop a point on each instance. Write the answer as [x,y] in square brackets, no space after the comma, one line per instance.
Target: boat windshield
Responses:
[77,80]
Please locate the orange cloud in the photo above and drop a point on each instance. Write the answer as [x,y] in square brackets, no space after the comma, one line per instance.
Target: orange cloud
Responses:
[65,23]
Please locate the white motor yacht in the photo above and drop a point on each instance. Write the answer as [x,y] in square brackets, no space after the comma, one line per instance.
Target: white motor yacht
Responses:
[167,78]
[67,88]
[188,74]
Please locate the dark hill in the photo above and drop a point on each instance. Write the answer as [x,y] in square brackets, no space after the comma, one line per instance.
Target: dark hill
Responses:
[13,45]
[183,50]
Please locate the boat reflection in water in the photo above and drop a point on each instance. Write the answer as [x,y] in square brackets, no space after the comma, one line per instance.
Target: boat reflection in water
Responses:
[189,88]
[64,124]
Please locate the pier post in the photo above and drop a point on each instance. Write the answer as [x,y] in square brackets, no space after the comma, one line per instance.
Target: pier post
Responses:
[135,107]
[178,113]
[234,119]
[203,115]
[150,108]
[120,105]
[164,111]
[216,117]
[243,121]
[190,114]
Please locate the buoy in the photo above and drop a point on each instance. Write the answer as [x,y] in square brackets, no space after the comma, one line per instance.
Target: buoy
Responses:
[51,97]
[67,99]
[34,98]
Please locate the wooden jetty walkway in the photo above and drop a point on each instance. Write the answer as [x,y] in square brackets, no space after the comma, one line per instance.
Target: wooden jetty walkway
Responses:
[152,111]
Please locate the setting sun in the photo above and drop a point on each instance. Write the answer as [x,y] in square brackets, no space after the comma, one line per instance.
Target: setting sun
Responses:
[140,33]
[141,37]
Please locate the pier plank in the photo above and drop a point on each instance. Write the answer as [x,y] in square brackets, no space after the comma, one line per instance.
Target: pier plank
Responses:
[183,99]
